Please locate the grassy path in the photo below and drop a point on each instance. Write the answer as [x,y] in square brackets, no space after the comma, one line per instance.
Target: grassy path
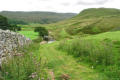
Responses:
[61,63]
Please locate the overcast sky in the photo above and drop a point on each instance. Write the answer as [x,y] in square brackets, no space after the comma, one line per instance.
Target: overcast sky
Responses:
[74,6]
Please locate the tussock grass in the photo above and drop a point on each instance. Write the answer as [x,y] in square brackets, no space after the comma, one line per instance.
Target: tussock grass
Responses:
[101,55]
[92,51]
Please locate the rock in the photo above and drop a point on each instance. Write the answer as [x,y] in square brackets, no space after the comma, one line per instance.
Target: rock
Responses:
[48,38]
[43,42]
[33,75]
[65,77]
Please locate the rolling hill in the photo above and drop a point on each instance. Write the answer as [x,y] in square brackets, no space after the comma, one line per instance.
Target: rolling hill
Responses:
[89,21]
[35,17]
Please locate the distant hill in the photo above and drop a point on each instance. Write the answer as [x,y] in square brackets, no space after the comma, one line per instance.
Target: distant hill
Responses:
[89,21]
[98,12]
[35,17]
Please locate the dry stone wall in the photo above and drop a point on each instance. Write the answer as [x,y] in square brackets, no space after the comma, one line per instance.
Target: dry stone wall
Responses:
[11,40]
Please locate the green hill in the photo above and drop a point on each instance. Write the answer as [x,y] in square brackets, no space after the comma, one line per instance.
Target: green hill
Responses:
[35,17]
[99,12]
[89,21]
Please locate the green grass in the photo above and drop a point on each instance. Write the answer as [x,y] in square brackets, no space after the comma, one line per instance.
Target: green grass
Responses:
[60,34]
[29,34]
[101,51]
[114,35]
[62,63]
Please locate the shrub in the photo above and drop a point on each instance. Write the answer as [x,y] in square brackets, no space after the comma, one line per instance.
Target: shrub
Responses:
[4,23]
[6,26]
[42,31]
[14,27]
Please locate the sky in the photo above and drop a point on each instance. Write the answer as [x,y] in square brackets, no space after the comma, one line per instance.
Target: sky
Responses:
[62,6]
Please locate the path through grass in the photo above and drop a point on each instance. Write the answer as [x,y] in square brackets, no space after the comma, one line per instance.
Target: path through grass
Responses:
[62,63]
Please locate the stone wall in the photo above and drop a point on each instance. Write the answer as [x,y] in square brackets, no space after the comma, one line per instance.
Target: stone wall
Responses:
[11,40]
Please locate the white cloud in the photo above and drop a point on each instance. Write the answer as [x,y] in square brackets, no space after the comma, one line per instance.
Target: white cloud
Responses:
[56,5]
[92,2]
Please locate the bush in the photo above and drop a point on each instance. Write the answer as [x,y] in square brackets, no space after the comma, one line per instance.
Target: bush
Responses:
[4,23]
[15,28]
[42,31]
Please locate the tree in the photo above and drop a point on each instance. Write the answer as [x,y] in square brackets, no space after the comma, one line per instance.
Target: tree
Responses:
[15,28]
[4,23]
[42,31]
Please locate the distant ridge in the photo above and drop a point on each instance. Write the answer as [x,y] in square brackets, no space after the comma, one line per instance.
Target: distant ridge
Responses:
[35,16]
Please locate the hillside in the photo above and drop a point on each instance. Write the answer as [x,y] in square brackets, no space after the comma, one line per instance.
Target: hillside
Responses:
[85,47]
[89,21]
[35,17]
[99,12]
[95,57]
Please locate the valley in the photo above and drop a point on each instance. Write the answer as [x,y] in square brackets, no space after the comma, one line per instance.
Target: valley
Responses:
[85,47]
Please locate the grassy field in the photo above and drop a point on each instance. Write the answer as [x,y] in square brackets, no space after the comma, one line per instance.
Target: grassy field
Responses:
[60,61]
[30,34]
[101,51]
[114,35]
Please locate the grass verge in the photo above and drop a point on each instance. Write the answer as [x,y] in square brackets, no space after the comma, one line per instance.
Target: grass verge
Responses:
[24,65]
